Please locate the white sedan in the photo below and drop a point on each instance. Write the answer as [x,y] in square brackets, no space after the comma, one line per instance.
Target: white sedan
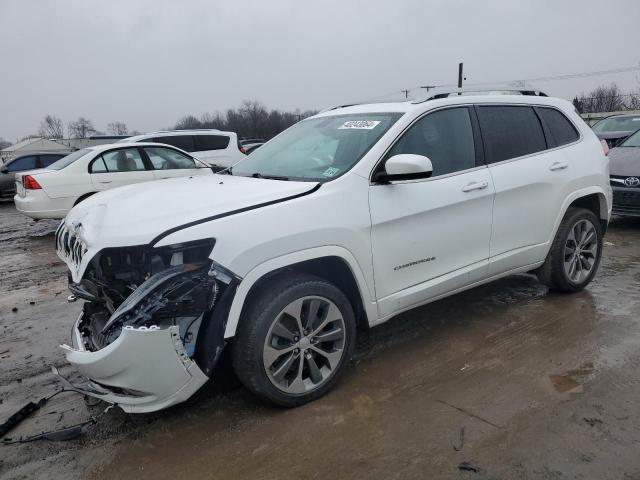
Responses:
[51,192]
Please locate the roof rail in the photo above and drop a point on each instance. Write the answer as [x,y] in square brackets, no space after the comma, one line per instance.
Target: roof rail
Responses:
[185,130]
[494,91]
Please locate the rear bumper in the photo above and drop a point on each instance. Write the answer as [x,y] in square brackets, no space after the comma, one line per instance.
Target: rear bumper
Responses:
[36,204]
[626,201]
[143,370]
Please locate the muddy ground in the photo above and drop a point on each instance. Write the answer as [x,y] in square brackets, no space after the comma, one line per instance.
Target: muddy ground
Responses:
[513,380]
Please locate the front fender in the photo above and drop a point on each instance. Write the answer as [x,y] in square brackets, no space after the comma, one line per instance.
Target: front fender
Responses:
[273,264]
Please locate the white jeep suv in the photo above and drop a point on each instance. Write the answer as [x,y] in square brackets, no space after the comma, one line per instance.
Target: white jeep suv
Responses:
[339,223]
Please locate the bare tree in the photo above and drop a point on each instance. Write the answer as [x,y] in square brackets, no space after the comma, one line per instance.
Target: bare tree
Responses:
[81,128]
[4,143]
[602,99]
[251,119]
[51,127]
[117,128]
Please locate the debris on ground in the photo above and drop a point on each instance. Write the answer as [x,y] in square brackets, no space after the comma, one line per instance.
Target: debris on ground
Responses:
[468,467]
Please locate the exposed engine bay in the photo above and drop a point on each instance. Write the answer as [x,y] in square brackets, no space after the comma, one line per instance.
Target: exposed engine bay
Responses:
[140,286]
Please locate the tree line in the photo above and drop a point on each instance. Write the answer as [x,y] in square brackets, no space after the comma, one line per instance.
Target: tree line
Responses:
[52,127]
[251,120]
[606,98]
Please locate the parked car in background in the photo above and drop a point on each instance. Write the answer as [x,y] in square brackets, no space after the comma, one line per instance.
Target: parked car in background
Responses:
[214,147]
[21,163]
[247,145]
[51,192]
[341,222]
[617,127]
[625,176]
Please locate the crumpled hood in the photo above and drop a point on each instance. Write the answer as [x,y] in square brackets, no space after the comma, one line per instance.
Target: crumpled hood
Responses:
[624,161]
[136,214]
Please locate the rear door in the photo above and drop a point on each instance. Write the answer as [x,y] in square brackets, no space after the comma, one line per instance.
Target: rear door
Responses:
[168,163]
[431,236]
[118,167]
[530,177]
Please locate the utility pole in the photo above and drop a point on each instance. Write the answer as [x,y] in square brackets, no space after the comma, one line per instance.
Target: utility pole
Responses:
[459,77]
[406,93]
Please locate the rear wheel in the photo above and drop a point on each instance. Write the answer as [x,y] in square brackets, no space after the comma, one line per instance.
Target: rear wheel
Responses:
[294,341]
[575,253]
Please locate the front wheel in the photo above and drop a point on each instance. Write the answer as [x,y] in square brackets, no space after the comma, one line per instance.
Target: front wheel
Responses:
[294,340]
[575,253]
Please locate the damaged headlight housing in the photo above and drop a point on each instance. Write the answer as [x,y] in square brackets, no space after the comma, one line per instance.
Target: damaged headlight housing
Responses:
[143,286]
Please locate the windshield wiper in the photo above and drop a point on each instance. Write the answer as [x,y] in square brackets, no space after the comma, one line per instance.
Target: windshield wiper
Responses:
[269,177]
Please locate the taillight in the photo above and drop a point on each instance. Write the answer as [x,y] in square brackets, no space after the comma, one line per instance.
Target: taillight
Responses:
[29,183]
[605,146]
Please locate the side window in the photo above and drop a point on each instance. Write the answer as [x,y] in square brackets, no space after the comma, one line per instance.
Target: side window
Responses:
[123,160]
[168,159]
[510,131]
[184,142]
[46,160]
[561,129]
[445,136]
[24,163]
[98,165]
[210,142]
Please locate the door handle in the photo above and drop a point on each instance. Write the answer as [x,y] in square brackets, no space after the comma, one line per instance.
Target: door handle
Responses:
[475,186]
[558,166]
[105,181]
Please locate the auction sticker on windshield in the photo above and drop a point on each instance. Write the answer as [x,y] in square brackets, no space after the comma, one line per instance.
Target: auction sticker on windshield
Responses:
[360,124]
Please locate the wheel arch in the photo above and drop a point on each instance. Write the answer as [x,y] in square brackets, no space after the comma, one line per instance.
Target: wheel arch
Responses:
[592,198]
[333,264]
[83,197]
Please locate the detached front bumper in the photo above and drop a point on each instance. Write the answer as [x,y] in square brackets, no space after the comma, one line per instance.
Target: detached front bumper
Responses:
[145,369]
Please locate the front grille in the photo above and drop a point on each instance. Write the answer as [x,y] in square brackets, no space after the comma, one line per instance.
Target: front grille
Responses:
[626,202]
[69,245]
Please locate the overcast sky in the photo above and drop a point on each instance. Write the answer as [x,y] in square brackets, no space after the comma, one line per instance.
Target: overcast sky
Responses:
[149,62]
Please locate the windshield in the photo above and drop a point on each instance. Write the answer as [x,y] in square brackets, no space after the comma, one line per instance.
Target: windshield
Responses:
[317,149]
[68,160]
[632,141]
[617,124]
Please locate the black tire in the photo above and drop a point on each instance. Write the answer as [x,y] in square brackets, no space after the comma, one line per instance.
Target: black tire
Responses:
[261,312]
[553,272]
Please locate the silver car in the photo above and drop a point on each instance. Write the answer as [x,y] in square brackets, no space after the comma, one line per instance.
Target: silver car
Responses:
[624,165]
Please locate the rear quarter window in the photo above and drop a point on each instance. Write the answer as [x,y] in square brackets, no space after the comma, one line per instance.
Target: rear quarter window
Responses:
[183,142]
[560,128]
[510,131]
[210,142]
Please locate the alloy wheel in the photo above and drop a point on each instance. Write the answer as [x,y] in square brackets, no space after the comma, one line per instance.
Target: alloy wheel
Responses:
[580,251]
[304,345]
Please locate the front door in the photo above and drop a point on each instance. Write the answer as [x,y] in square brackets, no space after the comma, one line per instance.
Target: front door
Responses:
[431,236]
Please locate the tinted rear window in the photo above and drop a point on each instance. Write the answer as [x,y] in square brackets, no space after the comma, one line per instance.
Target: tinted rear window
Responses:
[211,142]
[185,142]
[561,129]
[47,160]
[510,132]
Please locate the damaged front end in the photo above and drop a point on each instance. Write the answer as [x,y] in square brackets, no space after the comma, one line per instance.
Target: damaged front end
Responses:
[152,327]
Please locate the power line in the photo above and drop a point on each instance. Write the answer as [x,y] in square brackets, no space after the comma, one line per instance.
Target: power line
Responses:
[566,76]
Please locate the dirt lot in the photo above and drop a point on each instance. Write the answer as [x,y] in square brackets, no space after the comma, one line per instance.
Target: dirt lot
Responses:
[514,380]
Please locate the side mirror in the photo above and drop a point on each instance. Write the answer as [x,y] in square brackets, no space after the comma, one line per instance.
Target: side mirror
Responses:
[4,170]
[405,166]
